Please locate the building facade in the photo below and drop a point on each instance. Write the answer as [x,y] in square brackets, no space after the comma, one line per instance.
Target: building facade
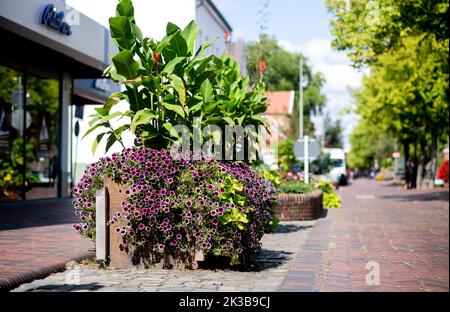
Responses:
[50,81]
[51,60]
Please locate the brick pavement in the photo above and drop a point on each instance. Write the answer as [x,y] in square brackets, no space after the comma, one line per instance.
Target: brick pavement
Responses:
[279,251]
[37,239]
[406,232]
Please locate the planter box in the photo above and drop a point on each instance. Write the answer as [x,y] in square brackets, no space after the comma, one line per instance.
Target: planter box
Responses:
[300,207]
[112,247]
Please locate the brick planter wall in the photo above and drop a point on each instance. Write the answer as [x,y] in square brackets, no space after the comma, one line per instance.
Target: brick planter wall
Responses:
[300,207]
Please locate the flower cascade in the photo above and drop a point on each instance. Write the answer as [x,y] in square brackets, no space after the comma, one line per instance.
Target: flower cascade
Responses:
[172,205]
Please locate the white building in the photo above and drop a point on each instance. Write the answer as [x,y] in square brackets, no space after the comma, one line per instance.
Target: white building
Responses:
[152,17]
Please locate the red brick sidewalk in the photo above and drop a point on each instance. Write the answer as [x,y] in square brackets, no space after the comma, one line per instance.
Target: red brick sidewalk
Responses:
[37,239]
[406,232]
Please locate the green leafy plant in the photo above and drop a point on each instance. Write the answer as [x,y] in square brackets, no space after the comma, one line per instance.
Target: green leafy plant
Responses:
[330,198]
[286,157]
[169,83]
[295,187]
[11,170]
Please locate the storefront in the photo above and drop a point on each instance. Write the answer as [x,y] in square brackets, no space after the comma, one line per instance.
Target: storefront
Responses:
[51,60]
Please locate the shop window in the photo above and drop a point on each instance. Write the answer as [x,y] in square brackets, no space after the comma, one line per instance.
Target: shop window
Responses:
[11,134]
[42,137]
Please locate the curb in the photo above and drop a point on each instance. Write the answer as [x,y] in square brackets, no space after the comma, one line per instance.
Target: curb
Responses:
[7,284]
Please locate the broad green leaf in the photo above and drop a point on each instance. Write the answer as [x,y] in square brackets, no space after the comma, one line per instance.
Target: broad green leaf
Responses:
[204,46]
[125,64]
[109,117]
[213,120]
[142,117]
[178,45]
[206,90]
[102,111]
[175,108]
[196,107]
[125,8]
[111,140]
[113,100]
[178,85]
[229,121]
[171,65]
[96,142]
[260,119]
[115,76]
[169,127]
[190,34]
[137,32]
[93,120]
[121,32]
[118,132]
[92,129]
[171,28]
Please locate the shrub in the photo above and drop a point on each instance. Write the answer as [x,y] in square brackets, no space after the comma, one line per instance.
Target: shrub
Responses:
[169,83]
[330,198]
[295,187]
[220,208]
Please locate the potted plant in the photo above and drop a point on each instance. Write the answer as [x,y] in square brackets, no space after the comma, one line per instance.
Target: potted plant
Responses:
[172,208]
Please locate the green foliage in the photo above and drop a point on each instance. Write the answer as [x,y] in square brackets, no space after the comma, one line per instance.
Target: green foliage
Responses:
[168,83]
[330,198]
[234,216]
[368,29]
[282,73]
[286,157]
[11,170]
[295,187]
[333,132]
[405,97]
[369,144]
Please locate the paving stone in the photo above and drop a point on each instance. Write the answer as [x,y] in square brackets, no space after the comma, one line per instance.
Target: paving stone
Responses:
[402,237]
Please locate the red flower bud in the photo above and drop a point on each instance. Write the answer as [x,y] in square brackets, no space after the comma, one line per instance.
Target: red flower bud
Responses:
[262,67]
[155,57]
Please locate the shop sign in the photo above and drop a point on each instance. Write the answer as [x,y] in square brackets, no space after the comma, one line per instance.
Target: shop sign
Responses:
[54,19]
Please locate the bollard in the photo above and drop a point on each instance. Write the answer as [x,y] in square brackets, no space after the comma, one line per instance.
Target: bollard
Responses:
[101,228]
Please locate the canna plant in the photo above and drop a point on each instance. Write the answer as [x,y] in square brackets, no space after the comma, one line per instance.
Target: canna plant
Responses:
[168,83]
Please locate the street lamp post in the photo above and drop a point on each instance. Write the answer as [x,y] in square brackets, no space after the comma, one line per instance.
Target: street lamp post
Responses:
[301,99]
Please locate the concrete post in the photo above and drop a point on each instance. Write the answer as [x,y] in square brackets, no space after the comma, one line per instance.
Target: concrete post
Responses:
[101,229]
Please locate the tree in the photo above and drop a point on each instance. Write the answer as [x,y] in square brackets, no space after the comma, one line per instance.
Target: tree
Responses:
[333,132]
[369,145]
[282,73]
[406,96]
[367,29]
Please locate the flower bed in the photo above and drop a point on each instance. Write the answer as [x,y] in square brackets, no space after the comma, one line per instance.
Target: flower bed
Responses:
[300,207]
[178,207]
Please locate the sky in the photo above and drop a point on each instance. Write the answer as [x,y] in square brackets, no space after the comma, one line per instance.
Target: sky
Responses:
[299,25]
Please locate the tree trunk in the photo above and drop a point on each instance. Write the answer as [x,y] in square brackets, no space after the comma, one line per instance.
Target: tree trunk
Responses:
[415,162]
[406,152]
[421,166]
[433,156]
